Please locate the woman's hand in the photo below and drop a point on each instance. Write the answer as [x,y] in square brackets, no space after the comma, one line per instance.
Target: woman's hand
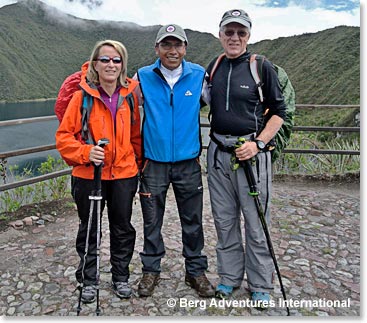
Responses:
[96,155]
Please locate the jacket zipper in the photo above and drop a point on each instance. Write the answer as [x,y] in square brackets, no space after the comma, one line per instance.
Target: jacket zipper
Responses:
[173,126]
[228,86]
[255,116]
[113,132]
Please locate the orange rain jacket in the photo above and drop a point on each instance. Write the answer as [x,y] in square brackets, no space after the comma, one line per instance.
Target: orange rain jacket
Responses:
[123,155]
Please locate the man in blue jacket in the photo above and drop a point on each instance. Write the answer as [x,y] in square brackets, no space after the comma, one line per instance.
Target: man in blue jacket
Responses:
[171,90]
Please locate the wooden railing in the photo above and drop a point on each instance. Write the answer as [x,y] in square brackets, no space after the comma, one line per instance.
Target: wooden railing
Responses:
[5,155]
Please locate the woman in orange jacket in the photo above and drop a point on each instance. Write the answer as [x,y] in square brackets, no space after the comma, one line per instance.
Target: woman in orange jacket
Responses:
[107,83]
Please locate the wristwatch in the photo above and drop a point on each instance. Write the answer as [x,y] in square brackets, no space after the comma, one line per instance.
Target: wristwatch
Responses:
[260,144]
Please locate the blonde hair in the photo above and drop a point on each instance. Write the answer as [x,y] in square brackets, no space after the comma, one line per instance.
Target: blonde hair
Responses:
[92,74]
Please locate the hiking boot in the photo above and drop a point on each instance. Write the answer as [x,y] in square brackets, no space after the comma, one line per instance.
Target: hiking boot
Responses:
[261,300]
[89,294]
[147,284]
[223,291]
[201,284]
[122,289]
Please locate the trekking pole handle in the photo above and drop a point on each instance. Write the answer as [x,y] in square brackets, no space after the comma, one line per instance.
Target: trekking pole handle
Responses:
[246,165]
[103,142]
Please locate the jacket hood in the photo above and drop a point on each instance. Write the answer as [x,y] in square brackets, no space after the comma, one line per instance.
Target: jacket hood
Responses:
[84,69]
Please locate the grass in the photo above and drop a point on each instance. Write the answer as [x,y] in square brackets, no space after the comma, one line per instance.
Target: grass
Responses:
[311,164]
[52,189]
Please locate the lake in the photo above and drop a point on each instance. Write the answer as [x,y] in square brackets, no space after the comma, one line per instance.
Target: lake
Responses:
[28,109]
[28,135]
[35,134]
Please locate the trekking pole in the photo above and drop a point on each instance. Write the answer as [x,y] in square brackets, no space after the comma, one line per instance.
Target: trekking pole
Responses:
[246,165]
[96,196]
[91,208]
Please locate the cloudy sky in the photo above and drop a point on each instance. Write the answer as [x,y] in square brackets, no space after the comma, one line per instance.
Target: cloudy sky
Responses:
[271,19]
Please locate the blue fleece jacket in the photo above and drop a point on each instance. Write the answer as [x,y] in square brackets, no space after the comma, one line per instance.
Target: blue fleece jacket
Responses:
[171,125]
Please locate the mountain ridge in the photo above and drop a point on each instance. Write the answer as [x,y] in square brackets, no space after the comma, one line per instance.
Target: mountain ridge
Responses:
[38,51]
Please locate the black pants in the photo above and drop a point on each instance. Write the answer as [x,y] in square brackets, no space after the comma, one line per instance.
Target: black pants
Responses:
[119,196]
[187,185]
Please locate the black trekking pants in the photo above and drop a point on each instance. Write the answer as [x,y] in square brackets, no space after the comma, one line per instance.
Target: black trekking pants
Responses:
[119,196]
[185,177]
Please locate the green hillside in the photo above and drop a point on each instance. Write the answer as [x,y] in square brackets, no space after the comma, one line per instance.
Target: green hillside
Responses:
[40,46]
[324,67]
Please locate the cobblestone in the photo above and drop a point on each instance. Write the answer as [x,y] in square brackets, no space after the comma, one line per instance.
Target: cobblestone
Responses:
[315,232]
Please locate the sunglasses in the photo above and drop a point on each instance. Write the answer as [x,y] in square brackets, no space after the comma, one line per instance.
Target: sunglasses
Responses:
[240,33]
[107,59]
[168,46]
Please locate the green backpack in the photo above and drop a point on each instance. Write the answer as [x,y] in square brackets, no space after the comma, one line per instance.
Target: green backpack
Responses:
[282,137]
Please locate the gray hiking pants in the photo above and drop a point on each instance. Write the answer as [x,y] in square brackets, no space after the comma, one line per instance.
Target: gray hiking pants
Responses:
[229,196]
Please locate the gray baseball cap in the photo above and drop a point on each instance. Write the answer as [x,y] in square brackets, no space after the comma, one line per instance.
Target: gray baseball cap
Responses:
[236,15]
[171,30]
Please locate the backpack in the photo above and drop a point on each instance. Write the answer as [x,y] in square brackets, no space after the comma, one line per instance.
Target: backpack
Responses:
[67,89]
[281,139]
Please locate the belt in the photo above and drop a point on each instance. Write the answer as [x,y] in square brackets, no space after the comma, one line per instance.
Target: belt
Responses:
[227,149]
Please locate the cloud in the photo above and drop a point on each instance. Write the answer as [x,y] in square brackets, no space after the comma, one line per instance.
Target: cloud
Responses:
[296,20]
[6,2]
[91,4]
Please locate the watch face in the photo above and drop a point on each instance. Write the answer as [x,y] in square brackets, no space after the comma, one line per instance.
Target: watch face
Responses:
[260,144]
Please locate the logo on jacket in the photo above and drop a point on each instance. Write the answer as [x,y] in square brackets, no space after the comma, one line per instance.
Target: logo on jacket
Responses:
[188,93]
[244,87]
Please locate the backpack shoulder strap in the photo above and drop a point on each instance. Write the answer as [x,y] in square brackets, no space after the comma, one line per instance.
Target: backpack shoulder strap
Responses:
[215,66]
[256,64]
[87,104]
[211,74]
[131,102]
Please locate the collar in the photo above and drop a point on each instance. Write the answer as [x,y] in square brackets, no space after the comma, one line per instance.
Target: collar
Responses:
[245,56]
[171,73]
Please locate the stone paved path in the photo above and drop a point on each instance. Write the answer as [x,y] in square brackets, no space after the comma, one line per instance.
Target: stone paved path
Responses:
[315,233]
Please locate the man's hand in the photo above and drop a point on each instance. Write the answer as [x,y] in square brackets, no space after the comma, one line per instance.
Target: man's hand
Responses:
[247,150]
